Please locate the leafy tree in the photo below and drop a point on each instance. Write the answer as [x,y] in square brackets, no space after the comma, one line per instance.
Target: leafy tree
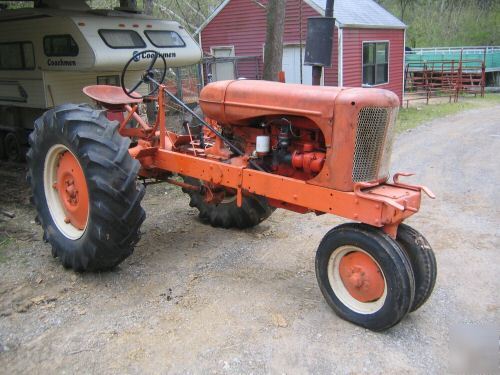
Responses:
[448,22]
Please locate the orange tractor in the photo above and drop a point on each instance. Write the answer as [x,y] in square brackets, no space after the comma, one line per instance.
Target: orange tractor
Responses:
[258,146]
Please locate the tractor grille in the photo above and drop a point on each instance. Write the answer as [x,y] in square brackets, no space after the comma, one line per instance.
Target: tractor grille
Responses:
[373,143]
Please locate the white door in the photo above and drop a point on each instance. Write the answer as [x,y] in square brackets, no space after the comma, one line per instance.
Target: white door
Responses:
[223,70]
[291,66]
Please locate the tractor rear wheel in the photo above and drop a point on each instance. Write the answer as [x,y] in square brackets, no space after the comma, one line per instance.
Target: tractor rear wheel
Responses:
[227,214]
[84,185]
[365,276]
[423,262]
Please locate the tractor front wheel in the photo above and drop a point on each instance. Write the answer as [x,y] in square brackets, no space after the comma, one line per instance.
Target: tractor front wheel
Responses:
[365,276]
[423,262]
[227,214]
[84,187]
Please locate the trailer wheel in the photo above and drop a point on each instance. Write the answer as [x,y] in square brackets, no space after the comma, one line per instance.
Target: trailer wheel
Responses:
[365,276]
[423,262]
[13,148]
[2,146]
[84,187]
[227,214]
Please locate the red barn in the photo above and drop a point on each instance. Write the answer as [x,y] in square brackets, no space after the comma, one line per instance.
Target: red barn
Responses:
[368,48]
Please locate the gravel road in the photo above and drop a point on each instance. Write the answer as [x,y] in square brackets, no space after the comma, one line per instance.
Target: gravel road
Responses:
[194,299]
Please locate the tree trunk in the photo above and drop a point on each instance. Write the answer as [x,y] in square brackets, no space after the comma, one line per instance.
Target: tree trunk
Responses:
[148,7]
[273,51]
[130,4]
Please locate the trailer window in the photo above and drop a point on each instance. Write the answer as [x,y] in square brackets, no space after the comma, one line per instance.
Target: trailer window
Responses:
[60,45]
[122,39]
[112,80]
[163,39]
[17,56]
[375,63]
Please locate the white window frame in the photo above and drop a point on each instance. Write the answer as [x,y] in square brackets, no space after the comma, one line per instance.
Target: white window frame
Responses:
[229,47]
[212,48]
[388,61]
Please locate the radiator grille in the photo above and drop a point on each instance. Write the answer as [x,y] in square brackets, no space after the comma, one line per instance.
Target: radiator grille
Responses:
[371,134]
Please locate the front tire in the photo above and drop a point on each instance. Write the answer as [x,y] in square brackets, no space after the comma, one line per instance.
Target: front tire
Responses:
[365,276]
[423,262]
[84,187]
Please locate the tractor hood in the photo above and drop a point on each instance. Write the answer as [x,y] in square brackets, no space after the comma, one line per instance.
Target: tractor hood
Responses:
[240,102]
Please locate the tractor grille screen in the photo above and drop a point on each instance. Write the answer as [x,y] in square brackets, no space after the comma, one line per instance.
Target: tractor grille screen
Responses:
[373,144]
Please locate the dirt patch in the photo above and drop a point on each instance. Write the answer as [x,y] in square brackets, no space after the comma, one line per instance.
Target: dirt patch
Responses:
[194,299]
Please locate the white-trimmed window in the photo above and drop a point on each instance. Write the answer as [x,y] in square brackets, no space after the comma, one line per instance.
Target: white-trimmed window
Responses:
[375,63]
[223,69]
[60,45]
[122,38]
[164,38]
[17,56]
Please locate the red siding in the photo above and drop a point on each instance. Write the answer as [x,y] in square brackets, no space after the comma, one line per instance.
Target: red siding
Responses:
[353,52]
[242,24]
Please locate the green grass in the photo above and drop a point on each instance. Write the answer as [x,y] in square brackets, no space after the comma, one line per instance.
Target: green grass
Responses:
[412,117]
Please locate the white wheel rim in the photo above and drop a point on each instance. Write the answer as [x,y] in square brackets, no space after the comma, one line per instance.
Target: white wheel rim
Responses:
[341,291]
[52,197]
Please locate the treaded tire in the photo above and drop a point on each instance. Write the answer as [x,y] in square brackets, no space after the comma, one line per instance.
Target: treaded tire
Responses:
[115,214]
[396,268]
[253,211]
[423,262]
[3,156]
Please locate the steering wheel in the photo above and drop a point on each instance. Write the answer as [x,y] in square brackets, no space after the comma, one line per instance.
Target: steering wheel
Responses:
[147,75]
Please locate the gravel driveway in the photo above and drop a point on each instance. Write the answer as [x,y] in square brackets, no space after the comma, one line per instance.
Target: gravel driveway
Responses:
[194,299]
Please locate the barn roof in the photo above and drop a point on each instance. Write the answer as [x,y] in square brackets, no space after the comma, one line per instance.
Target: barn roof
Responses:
[348,13]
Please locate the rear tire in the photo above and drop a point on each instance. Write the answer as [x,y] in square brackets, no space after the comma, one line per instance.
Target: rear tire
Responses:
[110,229]
[227,214]
[365,276]
[423,262]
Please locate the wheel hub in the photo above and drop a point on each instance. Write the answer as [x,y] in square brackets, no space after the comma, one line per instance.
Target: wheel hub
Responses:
[72,190]
[361,276]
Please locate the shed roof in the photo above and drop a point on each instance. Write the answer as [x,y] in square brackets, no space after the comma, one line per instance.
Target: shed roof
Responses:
[348,13]
[360,13]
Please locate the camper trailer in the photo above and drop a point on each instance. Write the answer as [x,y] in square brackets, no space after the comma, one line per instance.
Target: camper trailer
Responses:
[48,54]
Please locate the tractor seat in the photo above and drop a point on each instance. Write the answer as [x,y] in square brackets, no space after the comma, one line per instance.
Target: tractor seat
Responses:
[111,95]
